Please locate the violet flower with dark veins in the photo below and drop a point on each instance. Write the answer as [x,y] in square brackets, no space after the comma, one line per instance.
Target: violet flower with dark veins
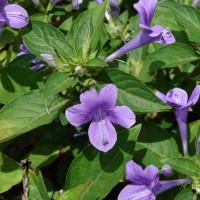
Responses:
[178,99]
[100,109]
[147,35]
[14,15]
[145,183]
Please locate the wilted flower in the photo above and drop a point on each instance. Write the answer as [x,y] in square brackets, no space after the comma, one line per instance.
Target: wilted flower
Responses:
[147,35]
[178,99]
[14,15]
[166,170]
[100,109]
[145,183]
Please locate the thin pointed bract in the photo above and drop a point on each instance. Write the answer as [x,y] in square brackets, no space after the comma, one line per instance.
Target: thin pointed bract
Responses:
[178,99]
[148,34]
[100,110]
[145,183]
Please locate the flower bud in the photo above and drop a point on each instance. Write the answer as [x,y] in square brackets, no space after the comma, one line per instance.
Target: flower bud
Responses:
[49,59]
[167,170]
[79,70]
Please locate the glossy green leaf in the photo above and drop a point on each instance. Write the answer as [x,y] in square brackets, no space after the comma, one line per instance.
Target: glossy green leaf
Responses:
[12,84]
[57,83]
[38,37]
[183,166]
[28,112]
[188,17]
[37,188]
[132,93]
[186,194]
[154,144]
[43,155]
[168,57]
[103,169]
[10,173]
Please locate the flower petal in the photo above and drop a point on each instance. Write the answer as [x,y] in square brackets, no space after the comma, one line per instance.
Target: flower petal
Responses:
[177,98]
[49,59]
[102,134]
[194,96]
[137,175]
[91,101]
[146,10]
[123,116]
[114,5]
[15,16]
[77,115]
[136,192]
[76,4]
[166,185]
[108,95]
[161,96]
[3,3]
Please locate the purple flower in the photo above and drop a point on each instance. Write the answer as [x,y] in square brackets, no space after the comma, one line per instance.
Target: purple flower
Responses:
[100,109]
[147,35]
[196,3]
[178,99]
[49,59]
[14,15]
[36,62]
[145,183]
[76,4]
[114,5]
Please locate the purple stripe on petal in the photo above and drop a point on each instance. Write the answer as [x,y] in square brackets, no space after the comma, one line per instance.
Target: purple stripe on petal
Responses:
[194,96]
[181,117]
[162,186]
[15,16]
[102,133]
[108,95]
[77,115]
[136,192]
[123,116]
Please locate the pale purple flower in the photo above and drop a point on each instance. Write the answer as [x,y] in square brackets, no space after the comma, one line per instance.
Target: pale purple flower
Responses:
[49,59]
[147,35]
[100,109]
[178,99]
[145,183]
[114,5]
[196,3]
[166,170]
[77,3]
[14,15]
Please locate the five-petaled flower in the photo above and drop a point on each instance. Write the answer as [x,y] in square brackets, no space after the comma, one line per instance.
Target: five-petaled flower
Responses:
[147,35]
[101,110]
[14,15]
[145,183]
[178,99]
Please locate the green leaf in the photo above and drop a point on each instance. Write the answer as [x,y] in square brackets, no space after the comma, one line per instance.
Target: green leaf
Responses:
[75,193]
[188,17]
[104,170]
[57,83]
[43,155]
[96,62]
[183,166]
[80,32]
[38,38]
[132,93]
[168,57]
[37,188]
[185,194]
[154,144]
[28,112]
[22,61]
[10,173]
[12,84]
